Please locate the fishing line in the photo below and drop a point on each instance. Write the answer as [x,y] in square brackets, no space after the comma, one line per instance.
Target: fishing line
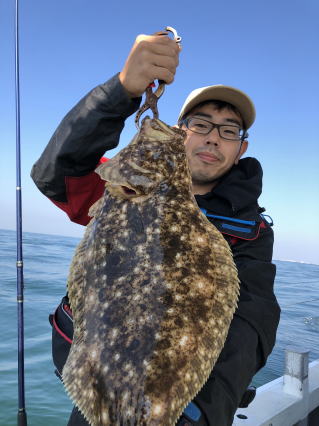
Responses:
[22,416]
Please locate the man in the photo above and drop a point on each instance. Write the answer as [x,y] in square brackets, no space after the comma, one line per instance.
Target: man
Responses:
[226,188]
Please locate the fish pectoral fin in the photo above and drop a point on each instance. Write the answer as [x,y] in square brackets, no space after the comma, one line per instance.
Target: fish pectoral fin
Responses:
[109,171]
[95,208]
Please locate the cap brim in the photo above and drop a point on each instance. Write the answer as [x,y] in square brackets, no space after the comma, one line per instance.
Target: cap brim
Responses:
[220,92]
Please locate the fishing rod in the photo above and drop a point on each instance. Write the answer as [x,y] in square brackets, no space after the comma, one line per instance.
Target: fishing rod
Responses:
[22,415]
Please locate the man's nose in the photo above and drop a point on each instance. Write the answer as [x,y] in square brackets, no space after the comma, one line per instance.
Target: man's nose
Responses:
[213,137]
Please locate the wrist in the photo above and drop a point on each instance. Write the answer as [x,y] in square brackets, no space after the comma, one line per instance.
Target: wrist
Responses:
[131,94]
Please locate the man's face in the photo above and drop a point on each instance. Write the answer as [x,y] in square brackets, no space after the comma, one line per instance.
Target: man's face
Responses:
[211,156]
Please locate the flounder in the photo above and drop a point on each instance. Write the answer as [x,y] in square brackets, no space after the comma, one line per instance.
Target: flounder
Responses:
[153,288]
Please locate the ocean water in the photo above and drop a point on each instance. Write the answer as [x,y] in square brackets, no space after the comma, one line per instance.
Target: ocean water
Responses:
[46,263]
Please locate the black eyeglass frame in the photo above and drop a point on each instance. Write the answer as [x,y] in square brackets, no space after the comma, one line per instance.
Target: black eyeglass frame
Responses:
[217,126]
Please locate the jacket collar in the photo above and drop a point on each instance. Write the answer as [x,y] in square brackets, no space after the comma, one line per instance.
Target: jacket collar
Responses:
[237,190]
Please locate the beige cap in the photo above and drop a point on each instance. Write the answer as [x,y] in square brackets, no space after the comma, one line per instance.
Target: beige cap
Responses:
[222,93]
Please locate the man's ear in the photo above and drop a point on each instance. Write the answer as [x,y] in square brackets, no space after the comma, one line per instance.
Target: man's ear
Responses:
[242,150]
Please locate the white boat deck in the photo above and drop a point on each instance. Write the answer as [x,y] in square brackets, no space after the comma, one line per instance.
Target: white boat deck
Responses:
[288,400]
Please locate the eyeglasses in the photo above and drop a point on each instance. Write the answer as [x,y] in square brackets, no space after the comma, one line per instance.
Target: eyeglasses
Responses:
[203,127]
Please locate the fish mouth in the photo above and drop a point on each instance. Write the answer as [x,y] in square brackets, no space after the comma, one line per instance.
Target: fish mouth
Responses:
[128,191]
[122,191]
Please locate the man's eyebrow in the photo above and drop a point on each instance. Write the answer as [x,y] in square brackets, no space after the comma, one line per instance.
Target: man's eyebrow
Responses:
[230,120]
[202,114]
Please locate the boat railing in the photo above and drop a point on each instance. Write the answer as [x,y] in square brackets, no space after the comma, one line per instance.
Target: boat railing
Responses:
[290,400]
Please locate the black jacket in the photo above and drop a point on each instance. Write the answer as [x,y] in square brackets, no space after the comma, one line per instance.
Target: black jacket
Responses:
[94,125]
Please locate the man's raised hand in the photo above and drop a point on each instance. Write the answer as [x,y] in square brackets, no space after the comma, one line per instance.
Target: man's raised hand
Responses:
[152,57]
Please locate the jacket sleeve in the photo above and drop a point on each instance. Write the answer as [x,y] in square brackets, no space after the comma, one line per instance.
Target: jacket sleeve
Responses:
[257,302]
[92,127]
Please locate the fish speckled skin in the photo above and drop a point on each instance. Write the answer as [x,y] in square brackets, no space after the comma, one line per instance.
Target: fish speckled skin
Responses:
[153,288]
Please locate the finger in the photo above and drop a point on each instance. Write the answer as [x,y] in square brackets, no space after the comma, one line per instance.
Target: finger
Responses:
[165,62]
[148,54]
[167,45]
[161,73]
[165,40]
[160,37]
[158,44]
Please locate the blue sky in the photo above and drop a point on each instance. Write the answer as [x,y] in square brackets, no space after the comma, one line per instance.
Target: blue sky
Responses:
[268,49]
